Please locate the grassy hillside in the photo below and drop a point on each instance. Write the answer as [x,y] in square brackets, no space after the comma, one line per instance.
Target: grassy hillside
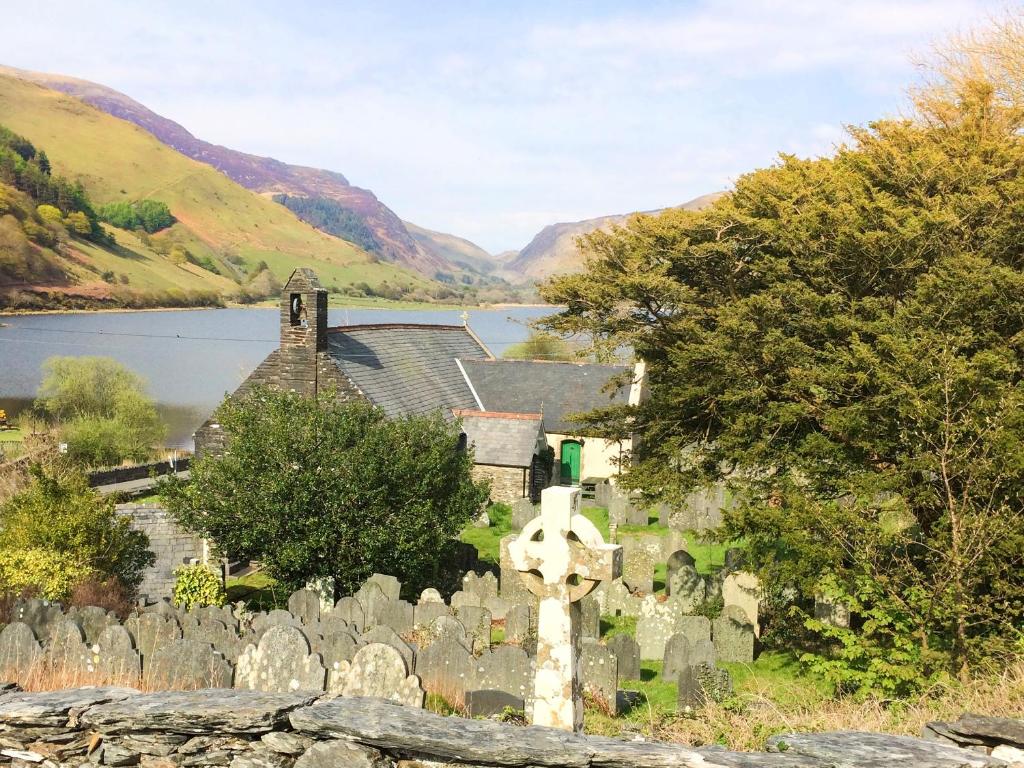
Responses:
[458,251]
[218,220]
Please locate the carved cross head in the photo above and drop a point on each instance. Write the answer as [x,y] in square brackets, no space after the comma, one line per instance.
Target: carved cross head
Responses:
[561,551]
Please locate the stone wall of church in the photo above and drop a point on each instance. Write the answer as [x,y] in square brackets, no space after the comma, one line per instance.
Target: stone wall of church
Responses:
[508,484]
[172,546]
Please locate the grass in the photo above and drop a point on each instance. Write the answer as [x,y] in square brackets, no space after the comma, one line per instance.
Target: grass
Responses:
[17,435]
[258,590]
[488,540]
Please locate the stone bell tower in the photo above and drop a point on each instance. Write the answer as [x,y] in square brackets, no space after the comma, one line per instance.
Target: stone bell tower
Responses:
[303,331]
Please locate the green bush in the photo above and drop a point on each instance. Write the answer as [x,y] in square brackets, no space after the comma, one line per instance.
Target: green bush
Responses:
[58,531]
[197,585]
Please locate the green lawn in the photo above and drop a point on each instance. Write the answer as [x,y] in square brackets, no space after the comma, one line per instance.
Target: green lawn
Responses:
[258,590]
[17,434]
[488,540]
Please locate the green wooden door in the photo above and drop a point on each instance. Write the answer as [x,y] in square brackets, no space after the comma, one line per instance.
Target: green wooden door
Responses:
[570,462]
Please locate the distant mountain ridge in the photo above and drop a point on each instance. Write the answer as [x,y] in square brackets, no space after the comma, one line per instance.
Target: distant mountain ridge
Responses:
[553,250]
[260,174]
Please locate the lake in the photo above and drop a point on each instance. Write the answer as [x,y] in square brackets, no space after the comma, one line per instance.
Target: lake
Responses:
[190,359]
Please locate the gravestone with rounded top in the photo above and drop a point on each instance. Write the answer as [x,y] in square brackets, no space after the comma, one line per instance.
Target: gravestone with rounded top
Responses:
[350,610]
[687,588]
[304,604]
[378,670]
[19,650]
[67,655]
[627,654]
[483,586]
[733,635]
[117,662]
[281,663]
[387,636]
[599,670]
[187,665]
[446,667]
[561,558]
[389,585]
[743,589]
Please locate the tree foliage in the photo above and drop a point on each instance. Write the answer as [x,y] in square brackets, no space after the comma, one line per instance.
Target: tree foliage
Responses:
[333,217]
[148,215]
[327,489]
[841,341]
[102,408]
[59,532]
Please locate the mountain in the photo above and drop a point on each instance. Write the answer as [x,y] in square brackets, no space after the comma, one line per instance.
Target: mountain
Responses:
[218,222]
[391,239]
[553,250]
[457,251]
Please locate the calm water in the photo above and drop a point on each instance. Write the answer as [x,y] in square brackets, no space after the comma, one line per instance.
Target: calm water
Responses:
[190,359]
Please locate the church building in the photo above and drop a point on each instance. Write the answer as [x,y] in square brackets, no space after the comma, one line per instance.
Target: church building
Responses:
[513,412]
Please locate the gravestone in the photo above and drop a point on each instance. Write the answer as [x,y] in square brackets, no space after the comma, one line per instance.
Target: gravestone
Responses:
[518,624]
[477,622]
[378,670]
[19,650]
[831,611]
[372,598]
[187,665]
[280,663]
[337,647]
[498,607]
[430,595]
[622,510]
[486,703]
[677,656]
[389,585]
[657,623]
[67,655]
[510,585]
[561,558]
[590,618]
[504,668]
[523,511]
[701,510]
[733,635]
[619,600]
[397,614]
[702,652]
[690,694]
[93,620]
[627,654]
[304,605]
[483,586]
[446,667]
[734,557]
[275,618]
[686,587]
[743,589]
[385,635]
[150,631]
[350,610]
[425,613]
[40,615]
[695,629]
[640,554]
[675,561]
[600,673]
[116,660]
[448,626]
[461,599]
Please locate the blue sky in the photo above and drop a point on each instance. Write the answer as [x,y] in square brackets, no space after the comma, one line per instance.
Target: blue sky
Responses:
[491,120]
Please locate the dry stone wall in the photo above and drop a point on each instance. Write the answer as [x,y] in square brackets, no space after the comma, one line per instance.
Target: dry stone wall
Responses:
[254,729]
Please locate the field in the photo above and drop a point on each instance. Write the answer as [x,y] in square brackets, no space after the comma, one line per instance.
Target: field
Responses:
[217,219]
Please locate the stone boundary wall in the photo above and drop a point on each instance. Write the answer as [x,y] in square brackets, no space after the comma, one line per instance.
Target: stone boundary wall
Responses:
[253,729]
[137,471]
[172,546]
[508,484]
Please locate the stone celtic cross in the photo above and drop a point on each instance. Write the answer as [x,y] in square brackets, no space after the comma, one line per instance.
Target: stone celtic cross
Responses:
[561,558]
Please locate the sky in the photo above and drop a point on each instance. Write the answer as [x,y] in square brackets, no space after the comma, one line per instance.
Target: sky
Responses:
[491,120]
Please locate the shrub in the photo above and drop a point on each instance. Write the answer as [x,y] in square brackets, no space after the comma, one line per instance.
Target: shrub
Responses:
[78,223]
[197,585]
[58,531]
[109,594]
[50,214]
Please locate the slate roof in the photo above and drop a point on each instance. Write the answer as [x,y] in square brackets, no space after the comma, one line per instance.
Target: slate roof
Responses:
[552,389]
[502,439]
[407,369]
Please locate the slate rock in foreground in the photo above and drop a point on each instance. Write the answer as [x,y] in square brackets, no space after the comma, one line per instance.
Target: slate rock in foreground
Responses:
[878,750]
[55,708]
[221,711]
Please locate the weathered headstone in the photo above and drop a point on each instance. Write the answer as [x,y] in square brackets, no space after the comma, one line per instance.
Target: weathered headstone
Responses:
[675,561]
[448,626]
[690,694]
[117,662]
[446,668]
[686,587]
[430,595]
[337,647]
[622,510]
[510,584]
[640,554]
[281,663]
[187,665]
[486,703]
[425,613]
[523,511]
[477,622]
[518,624]
[462,598]
[40,615]
[389,585]
[20,652]
[385,635]
[152,630]
[619,600]
[483,586]
[397,614]
[561,557]
[743,589]
[504,668]
[599,669]
[702,652]
[590,618]
[498,606]
[627,654]
[372,598]
[677,656]
[656,624]
[350,610]
[304,605]
[378,670]
[696,629]
[733,634]
[831,611]
[93,620]
[275,618]
[67,655]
